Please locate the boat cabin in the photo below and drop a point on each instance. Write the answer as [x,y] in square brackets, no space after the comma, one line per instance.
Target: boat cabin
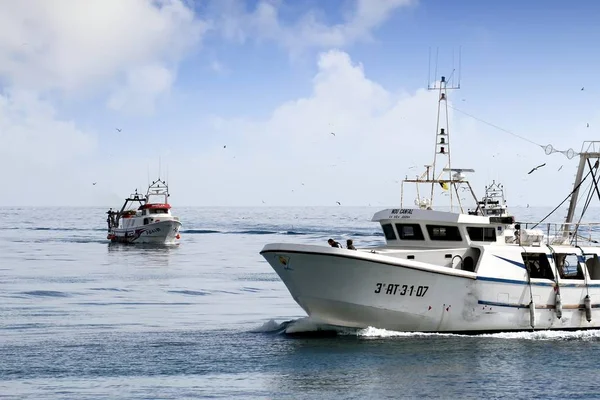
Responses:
[148,209]
[408,227]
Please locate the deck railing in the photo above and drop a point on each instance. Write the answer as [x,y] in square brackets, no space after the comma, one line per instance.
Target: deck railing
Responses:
[576,234]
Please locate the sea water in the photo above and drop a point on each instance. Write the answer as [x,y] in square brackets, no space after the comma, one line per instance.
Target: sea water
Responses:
[83,319]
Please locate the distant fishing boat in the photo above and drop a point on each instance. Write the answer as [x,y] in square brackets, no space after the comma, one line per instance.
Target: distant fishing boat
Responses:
[446,271]
[150,222]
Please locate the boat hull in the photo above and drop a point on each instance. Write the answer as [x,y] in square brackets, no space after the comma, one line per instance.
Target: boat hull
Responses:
[362,289]
[163,232]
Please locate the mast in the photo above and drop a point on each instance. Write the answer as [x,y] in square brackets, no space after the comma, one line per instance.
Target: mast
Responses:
[442,140]
[440,173]
[590,150]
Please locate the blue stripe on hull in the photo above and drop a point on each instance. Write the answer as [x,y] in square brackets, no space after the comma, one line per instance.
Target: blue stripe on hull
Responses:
[545,306]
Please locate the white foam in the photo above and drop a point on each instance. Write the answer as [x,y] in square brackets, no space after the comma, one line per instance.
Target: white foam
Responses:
[547,335]
[371,332]
[269,326]
[584,335]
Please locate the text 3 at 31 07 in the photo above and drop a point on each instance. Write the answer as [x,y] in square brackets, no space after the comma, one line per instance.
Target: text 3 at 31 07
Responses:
[401,290]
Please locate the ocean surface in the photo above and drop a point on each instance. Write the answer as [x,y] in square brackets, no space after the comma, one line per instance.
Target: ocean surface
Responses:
[208,318]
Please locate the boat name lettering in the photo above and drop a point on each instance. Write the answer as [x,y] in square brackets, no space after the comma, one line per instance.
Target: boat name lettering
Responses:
[151,231]
[402,290]
[402,211]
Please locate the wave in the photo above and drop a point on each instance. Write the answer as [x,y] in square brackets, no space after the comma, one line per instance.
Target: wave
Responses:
[302,327]
[44,228]
[199,231]
[283,232]
[46,293]
[189,292]
[308,327]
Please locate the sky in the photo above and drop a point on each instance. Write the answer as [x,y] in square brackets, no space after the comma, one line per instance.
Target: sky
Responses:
[234,101]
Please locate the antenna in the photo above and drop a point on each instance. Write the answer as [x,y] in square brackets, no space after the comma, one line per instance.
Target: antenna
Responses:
[158,167]
[456,72]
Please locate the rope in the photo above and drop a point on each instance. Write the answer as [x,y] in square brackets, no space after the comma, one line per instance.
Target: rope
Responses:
[496,126]
[566,198]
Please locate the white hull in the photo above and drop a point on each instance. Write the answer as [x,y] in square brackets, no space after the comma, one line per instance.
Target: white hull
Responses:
[361,289]
[163,232]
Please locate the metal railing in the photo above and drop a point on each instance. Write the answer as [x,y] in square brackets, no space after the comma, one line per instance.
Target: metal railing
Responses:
[560,233]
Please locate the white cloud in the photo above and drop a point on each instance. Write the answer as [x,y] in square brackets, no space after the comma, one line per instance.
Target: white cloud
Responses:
[72,46]
[143,85]
[309,30]
[124,51]
[31,135]
[38,150]
[291,158]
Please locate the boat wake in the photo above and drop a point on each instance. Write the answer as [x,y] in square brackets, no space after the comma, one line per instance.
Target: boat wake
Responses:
[308,327]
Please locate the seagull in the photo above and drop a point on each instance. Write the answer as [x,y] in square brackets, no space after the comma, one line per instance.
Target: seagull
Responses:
[263,201]
[94,183]
[333,133]
[118,130]
[588,125]
[539,166]
[560,168]
[225,146]
[338,203]
[582,88]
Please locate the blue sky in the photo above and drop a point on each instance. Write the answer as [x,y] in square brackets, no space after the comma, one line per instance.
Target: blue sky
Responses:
[270,80]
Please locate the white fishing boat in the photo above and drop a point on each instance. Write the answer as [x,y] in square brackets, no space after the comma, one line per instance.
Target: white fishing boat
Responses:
[149,221]
[456,270]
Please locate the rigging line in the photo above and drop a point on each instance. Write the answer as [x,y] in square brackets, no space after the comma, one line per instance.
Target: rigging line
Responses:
[590,196]
[566,198]
[495,126]
[595,181]
[588,188]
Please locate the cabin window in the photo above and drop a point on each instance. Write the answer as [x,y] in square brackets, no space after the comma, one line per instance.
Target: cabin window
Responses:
[447,233]
[410,232]
[538,265]
[481,234]
[388,232]
[568,266]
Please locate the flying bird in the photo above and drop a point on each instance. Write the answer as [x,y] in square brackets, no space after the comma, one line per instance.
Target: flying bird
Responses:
[582,88]
[560,168]
[588,125]
[338,203]
[333,133]
[94,183]
[118,130]
[539,166]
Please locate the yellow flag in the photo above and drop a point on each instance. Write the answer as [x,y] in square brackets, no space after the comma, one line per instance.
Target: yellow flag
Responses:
[444,185]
